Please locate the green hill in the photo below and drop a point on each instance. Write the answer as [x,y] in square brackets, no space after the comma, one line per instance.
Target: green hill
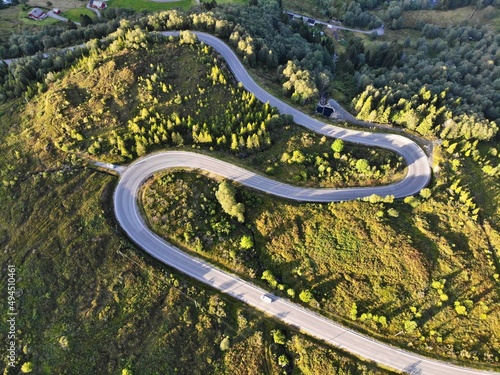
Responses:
[422,271]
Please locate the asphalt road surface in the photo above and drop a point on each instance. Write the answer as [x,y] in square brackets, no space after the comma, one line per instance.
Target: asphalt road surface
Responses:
[128,214]
[378,31]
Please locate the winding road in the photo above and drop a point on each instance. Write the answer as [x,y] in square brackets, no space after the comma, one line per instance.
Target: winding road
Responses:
[128,215]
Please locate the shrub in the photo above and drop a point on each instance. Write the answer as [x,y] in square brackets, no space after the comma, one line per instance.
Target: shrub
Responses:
[306,296]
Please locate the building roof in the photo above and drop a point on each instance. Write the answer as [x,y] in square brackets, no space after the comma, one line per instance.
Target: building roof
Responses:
[36,12]
[325,110]
[97,4]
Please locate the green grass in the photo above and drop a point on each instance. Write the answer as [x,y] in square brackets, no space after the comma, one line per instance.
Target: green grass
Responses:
[452,17]
[74,14]
[310,8]
[9,20]
[93,303]
[239,2]
[151,6]
[59,231]
[345,255]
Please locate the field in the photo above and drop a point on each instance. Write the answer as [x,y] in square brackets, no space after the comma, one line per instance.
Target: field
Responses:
[151,6]
[311,8]
[63,5]
[89,302]
[457,16]
[74,14]
[9,23]
[384,276]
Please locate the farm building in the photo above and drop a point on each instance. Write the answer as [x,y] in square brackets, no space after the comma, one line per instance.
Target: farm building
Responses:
[37,14]
[97,4]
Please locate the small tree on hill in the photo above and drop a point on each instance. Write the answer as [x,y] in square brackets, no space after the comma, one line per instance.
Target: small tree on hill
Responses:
[279,337]
[225,344]
[338,145]
[306,296]
[246,242]
[226,195]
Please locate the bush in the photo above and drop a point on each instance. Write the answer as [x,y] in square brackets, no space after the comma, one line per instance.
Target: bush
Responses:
[225,344]
[306,296]
[246,242]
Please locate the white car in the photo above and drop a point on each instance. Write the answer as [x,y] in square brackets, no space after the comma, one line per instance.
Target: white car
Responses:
[266,298]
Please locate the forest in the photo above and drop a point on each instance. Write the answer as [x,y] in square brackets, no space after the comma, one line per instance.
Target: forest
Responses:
[448,89]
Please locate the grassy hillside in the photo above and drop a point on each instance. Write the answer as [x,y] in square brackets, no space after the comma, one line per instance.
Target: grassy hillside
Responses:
[87,300]
[422,271]
[120,103]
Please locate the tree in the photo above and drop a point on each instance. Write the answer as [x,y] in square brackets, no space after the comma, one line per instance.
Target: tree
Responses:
[410,326]
[85,20]
[460,309]
[362,165]
[27,367]
[279,337]
[354,311]
[269,277]
[209,5]
[70,25]
[299,83]
[225,344]
[283,360]
[425,193]
[306,296]
[246,242]
[187,37]
[392,212]
[226,195]
[338,146]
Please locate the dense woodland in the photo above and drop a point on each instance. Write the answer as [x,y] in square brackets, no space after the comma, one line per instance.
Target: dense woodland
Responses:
[449,88]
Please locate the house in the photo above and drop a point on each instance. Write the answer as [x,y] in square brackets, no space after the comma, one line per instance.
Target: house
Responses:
[311,21]
[97,4]
[37,14]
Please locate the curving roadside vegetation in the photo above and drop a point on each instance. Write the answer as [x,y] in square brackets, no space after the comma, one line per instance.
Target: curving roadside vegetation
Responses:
[419,172]
[127,212]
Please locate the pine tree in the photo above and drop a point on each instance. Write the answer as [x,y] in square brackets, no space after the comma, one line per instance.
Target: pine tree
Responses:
[365,111]
[234,142]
